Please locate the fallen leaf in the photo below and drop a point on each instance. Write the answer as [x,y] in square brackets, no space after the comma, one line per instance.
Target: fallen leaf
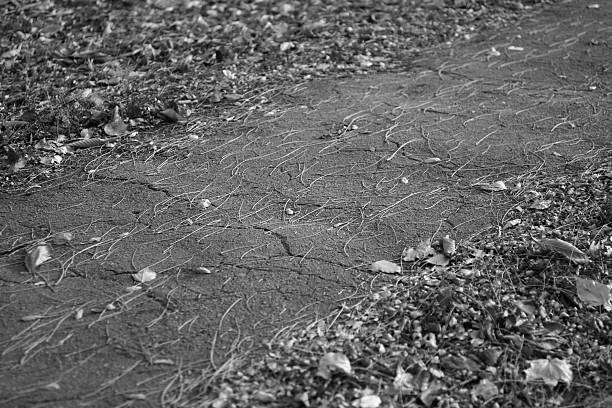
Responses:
[403,381]
[333,362]
[432,160]
[550,371]
[594,293]
[385,267]
[144,275]
[484,389]
[36,257]
[541,204]
[512,223]
[367,401]
[459,362]
[428,396]
[564,248]
[62,238]
[169,115]
[496,186]
[438,260]
[115,127]
[449,247]
[52,386]
[202,269]
[494,53]
[423,250]
[410,255]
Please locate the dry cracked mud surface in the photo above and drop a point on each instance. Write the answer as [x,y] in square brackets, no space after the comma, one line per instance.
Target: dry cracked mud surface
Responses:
[274,216]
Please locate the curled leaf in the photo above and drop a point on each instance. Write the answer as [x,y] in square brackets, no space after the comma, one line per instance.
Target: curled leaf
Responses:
[564,248]
[594,293]
[36,257]
[333,362]
[115,127]
[144,275]
[550,371]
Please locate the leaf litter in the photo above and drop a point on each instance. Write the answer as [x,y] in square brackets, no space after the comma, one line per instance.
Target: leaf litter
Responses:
[501,321]
[400,338]
[129,63]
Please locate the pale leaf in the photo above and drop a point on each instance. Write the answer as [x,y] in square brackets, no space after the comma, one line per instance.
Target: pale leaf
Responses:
[333,362]
[403,381]
[367,401]
[541,204]
[495,186]
[115,127]
[36,257]
[594,293]
[550,371]
[144,275]
[485,389]
[410,255]
[423,250]
[449,247]
[564,248]
[385,267]
[62,238]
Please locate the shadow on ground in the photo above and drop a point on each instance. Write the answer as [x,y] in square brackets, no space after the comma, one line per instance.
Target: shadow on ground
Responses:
[273,217]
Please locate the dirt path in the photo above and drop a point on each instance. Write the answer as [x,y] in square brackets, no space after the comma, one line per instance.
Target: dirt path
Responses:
[286,207]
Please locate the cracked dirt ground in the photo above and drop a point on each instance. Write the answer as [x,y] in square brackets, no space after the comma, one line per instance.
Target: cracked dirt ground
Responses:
[286,206]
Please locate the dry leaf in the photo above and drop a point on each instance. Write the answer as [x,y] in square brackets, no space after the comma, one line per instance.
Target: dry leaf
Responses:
[496,186]
[385,267]
[438,260]
[541,204]
[62,238]
[144,275]
[36,257]
[485,389]
[423,250]
[449,246]
[403,381]
[428,396]
[512,223]
[115,127]
[550,371]
[367,401]
[594,293]
[333,362]
[564,248]
[169,115]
